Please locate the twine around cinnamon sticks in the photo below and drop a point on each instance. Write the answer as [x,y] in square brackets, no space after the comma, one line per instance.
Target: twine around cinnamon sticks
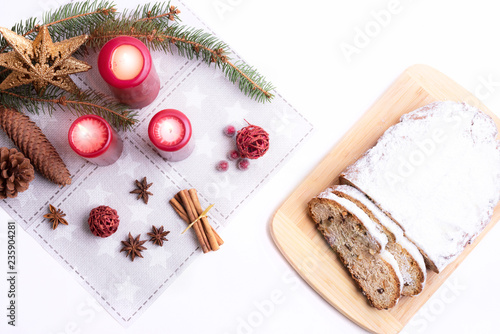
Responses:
[188,207]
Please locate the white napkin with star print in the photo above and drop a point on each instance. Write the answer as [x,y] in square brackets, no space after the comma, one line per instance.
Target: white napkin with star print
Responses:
[211,102]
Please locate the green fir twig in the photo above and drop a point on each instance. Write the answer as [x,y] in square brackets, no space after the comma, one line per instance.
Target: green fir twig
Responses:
[190,43]
[84,103]
[78,18]
[158,12]
[70,20]
[156,24]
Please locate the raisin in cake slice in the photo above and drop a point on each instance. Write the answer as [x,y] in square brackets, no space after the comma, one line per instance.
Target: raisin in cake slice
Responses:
[410,261]
[360,244]
[437,174]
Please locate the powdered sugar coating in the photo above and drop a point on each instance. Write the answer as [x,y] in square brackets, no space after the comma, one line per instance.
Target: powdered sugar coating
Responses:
[389,258]
[372,227]
[391,226]
[437,174]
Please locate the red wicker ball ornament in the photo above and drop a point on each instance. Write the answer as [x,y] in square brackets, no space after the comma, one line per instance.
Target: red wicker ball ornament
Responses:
[252,142]
[103,221]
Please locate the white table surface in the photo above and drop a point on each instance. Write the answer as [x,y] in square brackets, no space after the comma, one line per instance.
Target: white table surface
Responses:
[247,286]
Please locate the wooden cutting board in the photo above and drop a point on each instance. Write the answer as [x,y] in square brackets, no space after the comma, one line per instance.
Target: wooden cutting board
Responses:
[303,246]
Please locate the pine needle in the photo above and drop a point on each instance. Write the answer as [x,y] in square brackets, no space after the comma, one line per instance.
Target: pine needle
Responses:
[86,102]
[156,24]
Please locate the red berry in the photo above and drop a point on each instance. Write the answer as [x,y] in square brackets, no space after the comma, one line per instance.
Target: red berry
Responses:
[229,131]
[243,164]
[222,166]
[233,155]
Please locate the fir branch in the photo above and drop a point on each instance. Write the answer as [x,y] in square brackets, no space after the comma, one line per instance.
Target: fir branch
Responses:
[190,43]
[86,102]
[254,85]
[151,23]
[145,17]
[158,11]
[67,21]
[90,101]
[78,18]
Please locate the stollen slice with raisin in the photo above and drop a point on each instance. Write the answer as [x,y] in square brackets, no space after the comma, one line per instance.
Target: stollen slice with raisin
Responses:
[410,261]
[360,244]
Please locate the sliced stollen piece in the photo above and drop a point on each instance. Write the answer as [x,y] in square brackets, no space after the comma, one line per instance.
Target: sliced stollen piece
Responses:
[411,263]
[360,244]
[437,174]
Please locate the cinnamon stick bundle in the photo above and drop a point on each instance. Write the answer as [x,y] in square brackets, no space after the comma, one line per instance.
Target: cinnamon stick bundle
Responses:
[187,205]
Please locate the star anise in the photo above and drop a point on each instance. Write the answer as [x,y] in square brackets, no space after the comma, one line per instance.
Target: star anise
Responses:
[158,236]
[56,216]
[133,247]
[142,190]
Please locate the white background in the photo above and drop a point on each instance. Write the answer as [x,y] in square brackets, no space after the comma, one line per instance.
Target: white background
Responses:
[248,287]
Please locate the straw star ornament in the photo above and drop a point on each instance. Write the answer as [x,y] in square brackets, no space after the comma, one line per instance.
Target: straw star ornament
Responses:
[41,61]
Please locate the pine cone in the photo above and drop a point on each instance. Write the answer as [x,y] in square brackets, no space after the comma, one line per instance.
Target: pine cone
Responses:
[16,172]
[32,142]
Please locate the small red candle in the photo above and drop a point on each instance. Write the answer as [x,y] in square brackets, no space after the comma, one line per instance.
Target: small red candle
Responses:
[126,65]
[171,133]
[91,137]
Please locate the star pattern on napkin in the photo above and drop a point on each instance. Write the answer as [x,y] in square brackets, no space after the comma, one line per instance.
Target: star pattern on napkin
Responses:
[97,195]
[236,113]
[27,196]
[127,165]
[139,213]
[205,145]
[194,97]
[107,246]
[224,185]
[126,290]
[227,190]
[66,232]
[162,64]
[283,123]
[159,257]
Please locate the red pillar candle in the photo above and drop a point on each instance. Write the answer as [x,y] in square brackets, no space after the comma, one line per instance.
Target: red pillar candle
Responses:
[91,137]
[171,133]
[126,65]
